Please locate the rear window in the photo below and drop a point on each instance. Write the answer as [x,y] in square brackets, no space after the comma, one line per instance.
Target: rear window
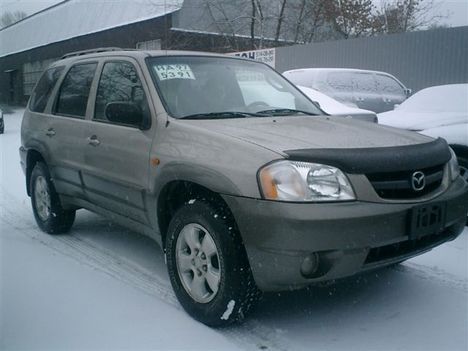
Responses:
[44,88]
[74,92]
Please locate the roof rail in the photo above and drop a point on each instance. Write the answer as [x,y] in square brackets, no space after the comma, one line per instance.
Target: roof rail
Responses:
[89,51]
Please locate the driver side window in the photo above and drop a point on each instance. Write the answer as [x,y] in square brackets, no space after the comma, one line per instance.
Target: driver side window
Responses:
[119,82]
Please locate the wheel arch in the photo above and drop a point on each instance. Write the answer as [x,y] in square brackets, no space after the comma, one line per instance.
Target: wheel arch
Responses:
[460,150]
[177,193]
[33,156]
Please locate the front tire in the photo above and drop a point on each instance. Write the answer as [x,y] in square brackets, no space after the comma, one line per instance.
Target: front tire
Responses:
[463,163]
[208,265]
[48,212]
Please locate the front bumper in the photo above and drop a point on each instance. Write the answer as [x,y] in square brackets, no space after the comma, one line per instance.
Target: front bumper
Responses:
[346,238]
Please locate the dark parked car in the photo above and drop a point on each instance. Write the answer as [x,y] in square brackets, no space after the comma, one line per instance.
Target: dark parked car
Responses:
[369,90]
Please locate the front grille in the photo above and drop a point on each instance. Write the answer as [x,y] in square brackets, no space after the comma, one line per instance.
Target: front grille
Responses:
[408,247]
[398,185]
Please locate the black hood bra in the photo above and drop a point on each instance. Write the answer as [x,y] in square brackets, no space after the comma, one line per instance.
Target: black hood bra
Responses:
[377,160]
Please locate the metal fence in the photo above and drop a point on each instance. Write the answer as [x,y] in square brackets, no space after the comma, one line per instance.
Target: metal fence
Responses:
[418,59]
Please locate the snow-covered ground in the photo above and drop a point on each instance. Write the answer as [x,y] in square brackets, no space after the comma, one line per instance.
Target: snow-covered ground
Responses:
[104,287]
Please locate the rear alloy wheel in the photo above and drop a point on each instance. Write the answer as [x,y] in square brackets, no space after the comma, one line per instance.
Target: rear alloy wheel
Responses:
[48,212]
[208,266]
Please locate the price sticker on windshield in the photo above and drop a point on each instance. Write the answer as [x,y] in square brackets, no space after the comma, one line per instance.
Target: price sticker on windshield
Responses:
[166,72]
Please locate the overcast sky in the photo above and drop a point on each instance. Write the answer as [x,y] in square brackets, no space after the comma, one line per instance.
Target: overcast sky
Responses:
[457,9]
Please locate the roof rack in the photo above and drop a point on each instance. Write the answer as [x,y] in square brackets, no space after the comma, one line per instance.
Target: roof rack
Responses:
[90,51]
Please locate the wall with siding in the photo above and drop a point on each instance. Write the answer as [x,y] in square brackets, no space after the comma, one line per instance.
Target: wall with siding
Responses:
[418,59]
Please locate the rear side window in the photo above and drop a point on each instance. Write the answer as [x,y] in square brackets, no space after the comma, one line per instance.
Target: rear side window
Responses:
[44,88]
[119,82]
[74,91]
[389,85]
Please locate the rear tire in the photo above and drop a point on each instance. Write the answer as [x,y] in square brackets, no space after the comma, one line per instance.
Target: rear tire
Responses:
[208,265]
[48,212]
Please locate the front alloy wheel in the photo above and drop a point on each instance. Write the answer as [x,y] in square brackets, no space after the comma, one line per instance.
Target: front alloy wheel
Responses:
[198,263]
[208,265]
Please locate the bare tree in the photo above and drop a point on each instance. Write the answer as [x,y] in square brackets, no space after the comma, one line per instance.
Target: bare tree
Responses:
[309,19]
[399,16]
[280,20]
[350,18]
[8,18]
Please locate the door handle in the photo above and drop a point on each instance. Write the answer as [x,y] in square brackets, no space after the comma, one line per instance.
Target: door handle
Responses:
[93,140]
[50,132]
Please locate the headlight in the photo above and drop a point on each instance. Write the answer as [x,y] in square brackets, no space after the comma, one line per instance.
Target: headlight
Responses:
[453,165]
[303,181]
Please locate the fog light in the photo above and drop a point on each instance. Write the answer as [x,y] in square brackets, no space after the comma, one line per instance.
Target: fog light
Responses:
[310,265]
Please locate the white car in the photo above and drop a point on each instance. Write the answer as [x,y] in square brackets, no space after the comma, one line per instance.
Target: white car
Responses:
[336,108]
[440,111]
[370,90]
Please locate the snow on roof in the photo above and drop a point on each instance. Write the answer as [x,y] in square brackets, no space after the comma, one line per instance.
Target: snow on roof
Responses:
[72,18]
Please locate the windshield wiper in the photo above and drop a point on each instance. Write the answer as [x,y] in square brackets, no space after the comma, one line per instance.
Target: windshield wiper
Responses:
[284,112]
[221,115]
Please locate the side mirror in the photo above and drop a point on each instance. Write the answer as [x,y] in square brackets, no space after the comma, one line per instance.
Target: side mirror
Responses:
[124,113]
[408,92]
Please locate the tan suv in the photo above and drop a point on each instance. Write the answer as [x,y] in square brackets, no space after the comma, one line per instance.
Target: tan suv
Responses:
[246,184]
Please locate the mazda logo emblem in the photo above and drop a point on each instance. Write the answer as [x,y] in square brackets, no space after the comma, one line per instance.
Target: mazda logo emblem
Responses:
[418,181]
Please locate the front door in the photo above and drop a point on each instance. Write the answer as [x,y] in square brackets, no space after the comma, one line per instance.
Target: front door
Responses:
[366,93]
[117,156]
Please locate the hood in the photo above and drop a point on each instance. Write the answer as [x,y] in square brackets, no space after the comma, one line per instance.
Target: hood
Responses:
[421,120]
[287,133]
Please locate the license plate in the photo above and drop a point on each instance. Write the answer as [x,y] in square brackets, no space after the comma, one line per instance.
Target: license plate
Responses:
[427,220]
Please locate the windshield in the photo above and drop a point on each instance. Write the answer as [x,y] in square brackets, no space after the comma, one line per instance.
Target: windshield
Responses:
[192,86]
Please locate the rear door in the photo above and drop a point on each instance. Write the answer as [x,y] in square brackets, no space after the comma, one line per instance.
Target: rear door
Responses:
[67,128]
[339,85]
[117,156]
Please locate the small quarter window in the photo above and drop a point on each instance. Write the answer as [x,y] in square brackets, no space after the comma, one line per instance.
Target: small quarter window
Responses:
[120,83]
[74,92]
[44,88]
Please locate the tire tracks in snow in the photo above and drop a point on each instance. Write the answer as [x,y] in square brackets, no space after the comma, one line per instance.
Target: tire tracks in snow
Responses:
[252,334]
[248,336]
[433,274]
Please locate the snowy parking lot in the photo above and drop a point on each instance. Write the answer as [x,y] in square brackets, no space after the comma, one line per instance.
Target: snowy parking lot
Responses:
[104,287]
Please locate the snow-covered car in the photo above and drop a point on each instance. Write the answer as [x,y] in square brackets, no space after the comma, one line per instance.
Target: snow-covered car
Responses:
[369,90]
[336,108]
[2,122]
[439,111]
